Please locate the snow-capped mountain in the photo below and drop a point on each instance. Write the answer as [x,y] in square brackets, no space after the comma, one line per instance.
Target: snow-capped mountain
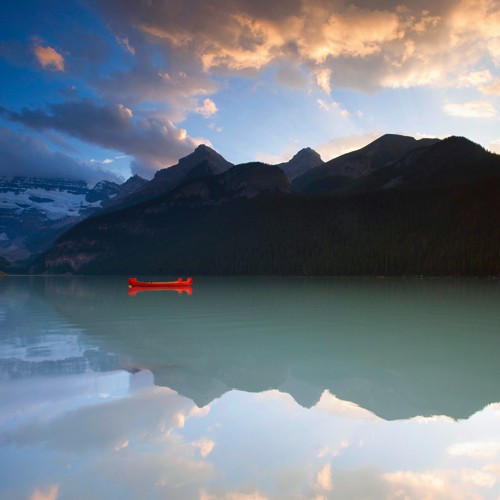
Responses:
[56,198]
[35,211]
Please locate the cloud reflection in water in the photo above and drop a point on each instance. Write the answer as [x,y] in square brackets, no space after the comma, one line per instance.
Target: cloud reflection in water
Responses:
[154,443]
[118,433]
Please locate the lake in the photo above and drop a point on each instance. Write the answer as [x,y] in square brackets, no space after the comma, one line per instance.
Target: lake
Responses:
[249,389]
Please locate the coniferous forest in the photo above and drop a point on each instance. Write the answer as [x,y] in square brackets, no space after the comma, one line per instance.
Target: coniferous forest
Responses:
[451,230]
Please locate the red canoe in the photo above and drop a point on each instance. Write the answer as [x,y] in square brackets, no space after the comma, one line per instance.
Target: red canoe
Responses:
[132,282]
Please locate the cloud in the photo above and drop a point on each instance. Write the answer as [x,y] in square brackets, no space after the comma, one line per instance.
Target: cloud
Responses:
[233,40]
[471,109]
[135,438]
[340,44]
[475,449]
[154,142]
[495,146]
[236,39]
[429,484]
[48,493]
[323,79]
[124,42]
[333,106]
[494,88]
[173,57]
[24,155]
[353,32]
[207,109]
[49,58]
[324,478]
[175,90]
[475,79]
[108,426]
[108,161]
[331,404]
[205,446]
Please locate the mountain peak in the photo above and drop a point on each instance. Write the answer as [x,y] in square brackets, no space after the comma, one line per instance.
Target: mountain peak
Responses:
[307,154]
[456,140]
[200,154]
[303,161]
[401,142]
[201,162]
[133,183]
[380,153]
[391,141]
[203,147]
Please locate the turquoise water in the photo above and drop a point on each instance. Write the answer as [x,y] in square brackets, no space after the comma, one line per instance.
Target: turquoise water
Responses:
[250,388]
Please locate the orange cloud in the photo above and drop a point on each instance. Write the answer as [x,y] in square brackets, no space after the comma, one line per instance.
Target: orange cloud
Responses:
[49,58]
[50,493]
[339,44]
[251,44]
[324,478]
[323,79]
[208,108]
[355,33]
[494,88]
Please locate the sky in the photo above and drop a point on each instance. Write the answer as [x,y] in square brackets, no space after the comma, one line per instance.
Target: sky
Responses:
[95,89]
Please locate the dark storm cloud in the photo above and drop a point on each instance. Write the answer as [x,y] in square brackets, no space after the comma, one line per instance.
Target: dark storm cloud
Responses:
[21,154]
[154,142]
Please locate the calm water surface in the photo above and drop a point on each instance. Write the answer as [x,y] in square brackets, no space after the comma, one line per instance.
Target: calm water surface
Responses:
[250,389]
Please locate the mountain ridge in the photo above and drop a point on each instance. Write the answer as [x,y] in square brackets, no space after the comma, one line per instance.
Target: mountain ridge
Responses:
[247,221]
[34,211]
[201,162]
[417,227]
[379,153]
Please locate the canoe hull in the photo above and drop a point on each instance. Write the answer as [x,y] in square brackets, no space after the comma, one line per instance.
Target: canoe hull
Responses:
[180,283]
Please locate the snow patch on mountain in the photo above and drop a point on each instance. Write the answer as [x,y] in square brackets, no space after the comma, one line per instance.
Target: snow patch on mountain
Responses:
[54,204]
[34,211]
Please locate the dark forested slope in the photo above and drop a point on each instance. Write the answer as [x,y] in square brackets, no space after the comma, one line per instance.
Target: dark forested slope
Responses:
[434,211]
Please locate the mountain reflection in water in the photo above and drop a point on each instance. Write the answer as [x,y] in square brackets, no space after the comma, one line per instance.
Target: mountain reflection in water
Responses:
[289,388]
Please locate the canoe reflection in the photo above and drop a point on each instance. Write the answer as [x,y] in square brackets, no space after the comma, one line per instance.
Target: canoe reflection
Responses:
[136,289]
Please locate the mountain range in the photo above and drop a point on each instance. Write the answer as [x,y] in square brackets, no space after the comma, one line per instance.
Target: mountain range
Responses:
[397,206]
[35,211]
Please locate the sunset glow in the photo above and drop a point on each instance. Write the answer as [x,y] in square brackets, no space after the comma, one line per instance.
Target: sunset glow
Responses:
[144,83]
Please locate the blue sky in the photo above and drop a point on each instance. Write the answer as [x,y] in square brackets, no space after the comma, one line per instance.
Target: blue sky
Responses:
[108,88]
